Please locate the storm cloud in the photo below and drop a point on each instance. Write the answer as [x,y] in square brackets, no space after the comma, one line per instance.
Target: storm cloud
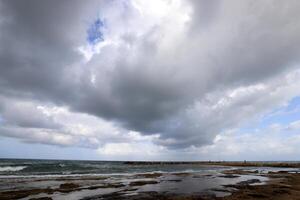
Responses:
[175,73]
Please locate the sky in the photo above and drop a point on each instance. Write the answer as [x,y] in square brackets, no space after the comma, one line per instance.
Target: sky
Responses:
[150,80]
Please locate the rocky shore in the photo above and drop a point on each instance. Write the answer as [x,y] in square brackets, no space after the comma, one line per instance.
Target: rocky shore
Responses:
[281,186]
[240,182]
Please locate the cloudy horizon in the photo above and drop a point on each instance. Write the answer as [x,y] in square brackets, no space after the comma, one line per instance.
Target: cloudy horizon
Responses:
[150,80]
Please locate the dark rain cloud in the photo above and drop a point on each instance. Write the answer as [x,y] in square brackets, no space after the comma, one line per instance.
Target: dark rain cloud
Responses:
[225,46]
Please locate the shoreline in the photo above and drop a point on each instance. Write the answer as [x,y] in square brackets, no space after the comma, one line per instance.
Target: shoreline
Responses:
[280,185]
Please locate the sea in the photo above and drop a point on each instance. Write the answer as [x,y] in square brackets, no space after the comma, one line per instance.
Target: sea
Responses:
[24,167]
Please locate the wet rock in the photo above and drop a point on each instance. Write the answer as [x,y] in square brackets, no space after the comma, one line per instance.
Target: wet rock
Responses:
[150,175]
[182,174]
[280,191]
[229,176]
[23,193]
[41,198]
[173,180]
[141,183]
[248,182]
[108,185]
[255,195]
[68,186]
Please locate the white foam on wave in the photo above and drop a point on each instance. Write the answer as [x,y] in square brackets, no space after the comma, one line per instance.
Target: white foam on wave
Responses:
[61,165]
[12,168]
[68,174]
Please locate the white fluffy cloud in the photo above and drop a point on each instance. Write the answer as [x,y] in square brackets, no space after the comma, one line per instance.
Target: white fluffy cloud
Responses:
[270,143]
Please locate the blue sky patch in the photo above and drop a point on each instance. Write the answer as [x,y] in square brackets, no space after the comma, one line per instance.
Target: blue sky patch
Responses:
[94,32]
[283,115]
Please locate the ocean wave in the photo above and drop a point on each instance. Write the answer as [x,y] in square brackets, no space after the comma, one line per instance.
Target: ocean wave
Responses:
[12,168]
[32,173]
